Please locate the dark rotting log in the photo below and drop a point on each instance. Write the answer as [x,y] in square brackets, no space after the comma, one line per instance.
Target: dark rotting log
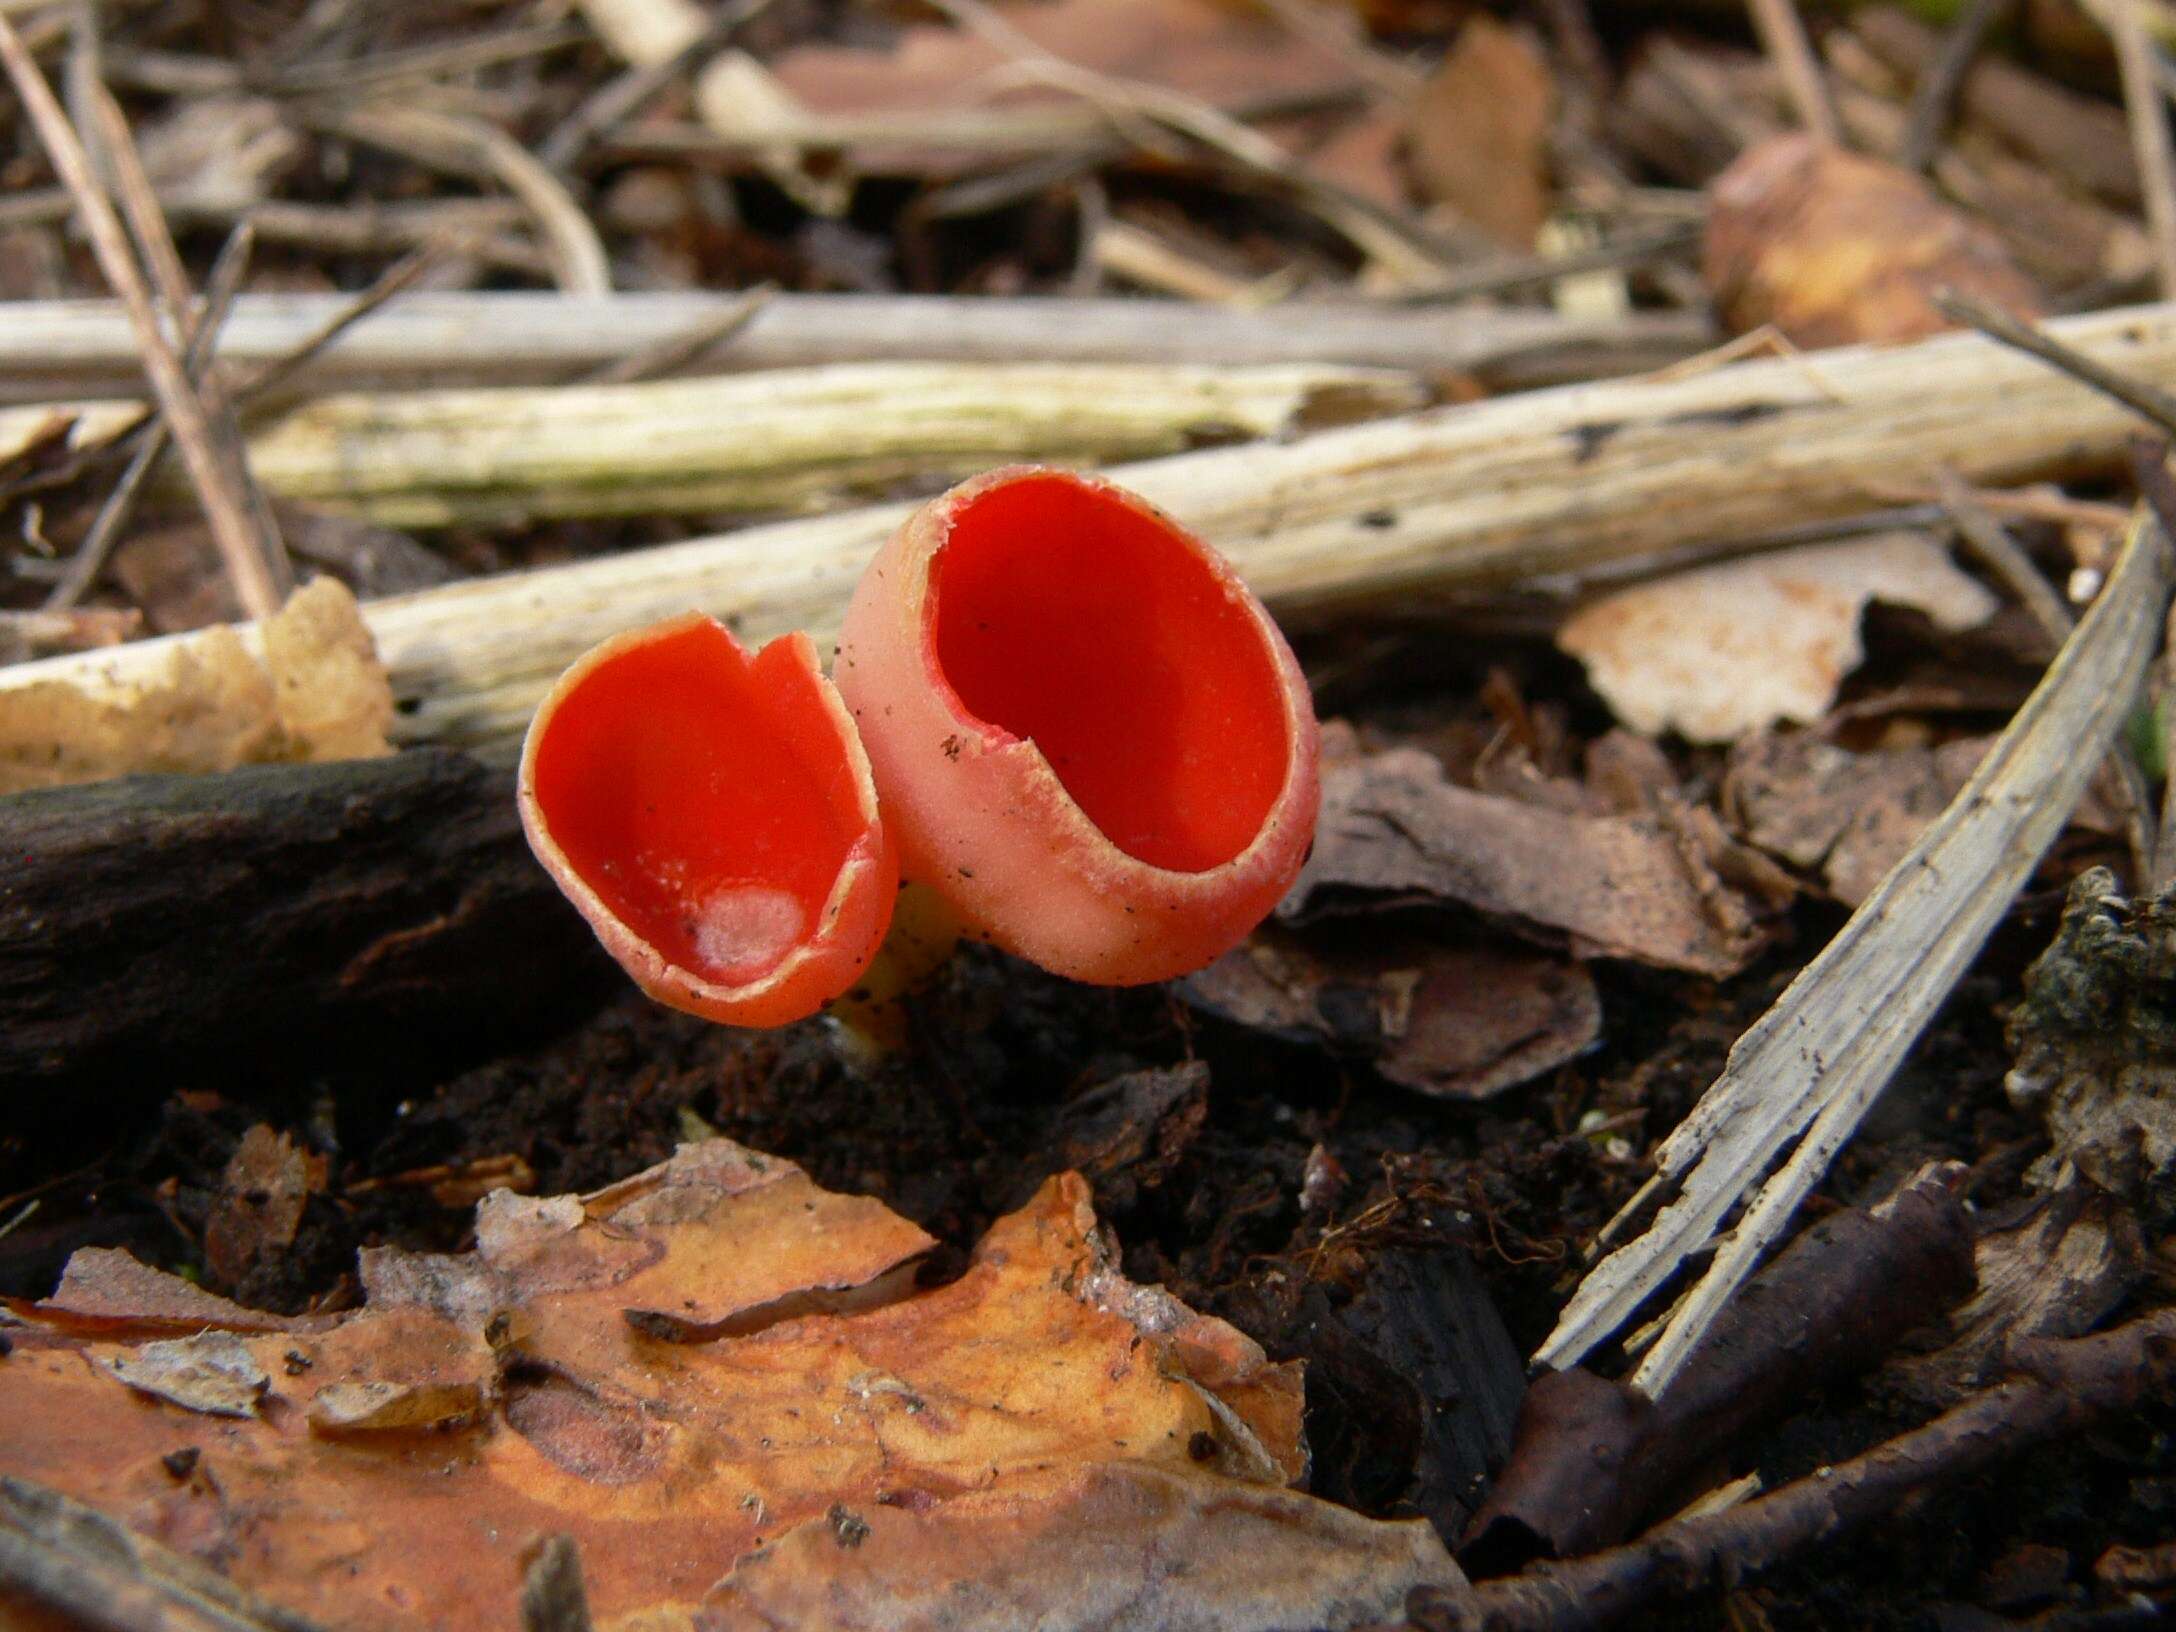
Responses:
[325,916]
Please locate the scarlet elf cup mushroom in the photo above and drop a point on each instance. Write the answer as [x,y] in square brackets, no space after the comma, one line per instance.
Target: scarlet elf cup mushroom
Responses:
[1085,733]
[712,815]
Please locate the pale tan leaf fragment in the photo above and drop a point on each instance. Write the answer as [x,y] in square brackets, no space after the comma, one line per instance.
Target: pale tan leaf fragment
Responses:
[215,706]
[213,1372]
[260,1202]
[645,33]
[1715,652]
[329,688]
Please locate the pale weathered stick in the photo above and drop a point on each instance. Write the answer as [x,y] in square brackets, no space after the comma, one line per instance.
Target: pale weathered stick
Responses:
[1812,1066]
[753,442]
[85,348]
[1457,499]
[230,524]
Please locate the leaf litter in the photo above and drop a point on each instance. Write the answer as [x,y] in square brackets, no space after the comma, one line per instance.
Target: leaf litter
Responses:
[723,1383]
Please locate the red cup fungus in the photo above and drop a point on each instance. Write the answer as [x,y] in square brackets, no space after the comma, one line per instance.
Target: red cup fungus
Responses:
[712,815]
[1087,734]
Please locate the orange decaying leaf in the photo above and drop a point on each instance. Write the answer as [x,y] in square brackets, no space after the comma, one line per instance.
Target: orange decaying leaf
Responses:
[675,1372]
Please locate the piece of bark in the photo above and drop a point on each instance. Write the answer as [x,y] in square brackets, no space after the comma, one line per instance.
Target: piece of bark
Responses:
[2057,1387]
[313,913]
[1125,1135]
[1413,1381]
[1594,1457]
[2096,1043]
[1458,1021]
[1394,830]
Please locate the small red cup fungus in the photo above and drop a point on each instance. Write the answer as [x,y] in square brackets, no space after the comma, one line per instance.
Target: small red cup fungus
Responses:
[712,815]
[1088,735]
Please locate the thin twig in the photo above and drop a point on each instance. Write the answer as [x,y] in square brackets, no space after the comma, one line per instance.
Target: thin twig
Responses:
[2149,131]
[678,350]
[155,243]
[396,278]
[1783,33]
[1934,98]
[2059,1386]
[2140,397]
[254,583]
[90,557]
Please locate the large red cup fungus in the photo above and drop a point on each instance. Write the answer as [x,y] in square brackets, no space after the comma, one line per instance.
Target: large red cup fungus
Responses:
[1088,735]
[712,815]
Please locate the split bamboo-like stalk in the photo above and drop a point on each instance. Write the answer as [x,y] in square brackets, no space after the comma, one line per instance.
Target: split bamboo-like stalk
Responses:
[84,348]
[751,442]
[1453,499]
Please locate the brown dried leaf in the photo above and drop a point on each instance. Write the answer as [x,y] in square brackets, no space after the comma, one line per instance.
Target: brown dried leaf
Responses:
[1715,652]
[1477,132]
[1223,56]
[259,1206]
[1834,248]
[717,1380]
[325,697]
[1455,1022]
[1394,830]
[1849,815]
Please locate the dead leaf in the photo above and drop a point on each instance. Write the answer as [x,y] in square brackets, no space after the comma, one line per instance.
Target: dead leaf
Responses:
[213,1372]
[104,1291]
[1395,831]
[320,693]
[1460,1021]
[260,1202]
[1833,248]
[1477,132]
[1121,1546]
[875,102]
[719,1381]
[333,698]
[1849,816]
[1715,652]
